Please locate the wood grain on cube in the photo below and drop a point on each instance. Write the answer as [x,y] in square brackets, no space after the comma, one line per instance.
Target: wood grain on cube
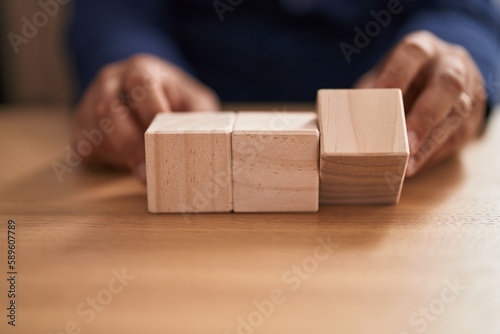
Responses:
[275,162]
[364,146]
[188,162]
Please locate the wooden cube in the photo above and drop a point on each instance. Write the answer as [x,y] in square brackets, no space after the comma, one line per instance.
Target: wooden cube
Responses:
[275,162]
[364,146]
[188,162]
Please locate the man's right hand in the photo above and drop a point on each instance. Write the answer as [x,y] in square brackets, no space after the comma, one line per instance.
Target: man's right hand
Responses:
[129,94]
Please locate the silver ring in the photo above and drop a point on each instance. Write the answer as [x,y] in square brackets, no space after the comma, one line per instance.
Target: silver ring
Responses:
[463,107]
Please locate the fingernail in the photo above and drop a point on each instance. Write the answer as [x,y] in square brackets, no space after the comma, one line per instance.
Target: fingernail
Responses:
[410,169]
[140,172]
[412,141]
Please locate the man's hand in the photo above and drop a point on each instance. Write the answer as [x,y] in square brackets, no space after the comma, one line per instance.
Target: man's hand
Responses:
[129,94]
[443,91]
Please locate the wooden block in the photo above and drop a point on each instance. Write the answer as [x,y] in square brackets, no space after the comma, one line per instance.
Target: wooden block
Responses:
[275,162]
[364,146]
[188,162]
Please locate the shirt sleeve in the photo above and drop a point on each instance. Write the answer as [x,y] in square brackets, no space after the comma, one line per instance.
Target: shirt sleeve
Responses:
[105,31]
[474,24]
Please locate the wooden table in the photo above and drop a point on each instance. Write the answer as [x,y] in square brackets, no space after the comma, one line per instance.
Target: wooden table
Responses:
[428,265]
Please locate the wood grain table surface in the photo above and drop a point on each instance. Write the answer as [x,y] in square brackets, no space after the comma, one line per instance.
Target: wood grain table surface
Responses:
[91,259]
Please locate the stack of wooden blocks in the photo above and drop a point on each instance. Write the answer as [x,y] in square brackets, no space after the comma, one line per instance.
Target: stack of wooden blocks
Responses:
[280,162]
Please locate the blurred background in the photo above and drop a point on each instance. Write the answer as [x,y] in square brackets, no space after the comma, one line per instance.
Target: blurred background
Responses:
[40,72]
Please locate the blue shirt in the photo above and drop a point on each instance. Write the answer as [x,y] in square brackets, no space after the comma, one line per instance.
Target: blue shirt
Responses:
[276,50]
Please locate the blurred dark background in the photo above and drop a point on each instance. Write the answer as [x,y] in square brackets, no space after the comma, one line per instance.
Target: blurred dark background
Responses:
[40,73]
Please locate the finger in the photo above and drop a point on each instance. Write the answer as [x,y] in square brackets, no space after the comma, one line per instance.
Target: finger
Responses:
[367,80]
[91,111]
[414,91]
[200,99]
[453,145]
[436,100]
[108,92]
[443,140]
[146,97]
[127,142]
[406,61]
[84,114]
[188,95]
